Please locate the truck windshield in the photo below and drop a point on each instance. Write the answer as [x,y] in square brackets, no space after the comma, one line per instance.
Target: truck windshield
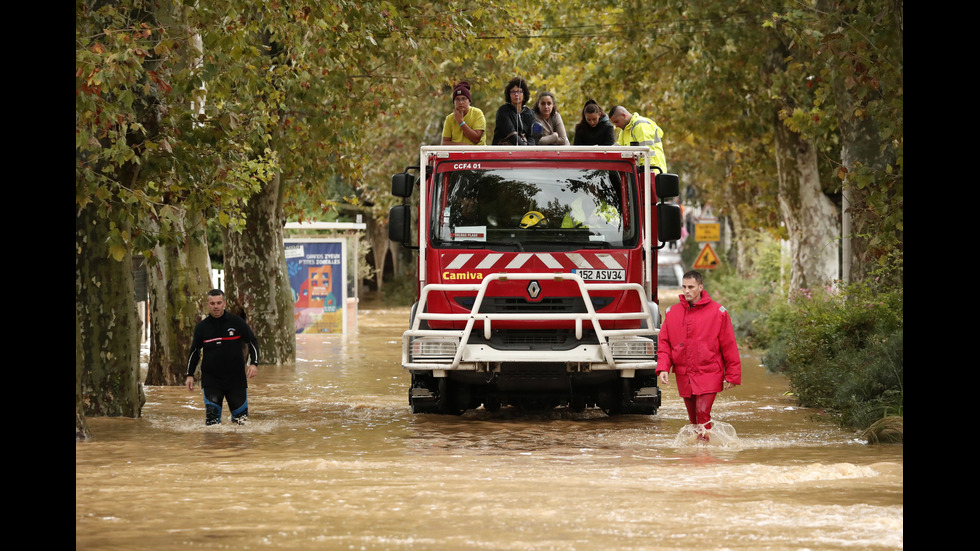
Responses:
[525,208]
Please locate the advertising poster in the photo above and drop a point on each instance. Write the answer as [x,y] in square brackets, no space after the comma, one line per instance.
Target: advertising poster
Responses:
[317,276]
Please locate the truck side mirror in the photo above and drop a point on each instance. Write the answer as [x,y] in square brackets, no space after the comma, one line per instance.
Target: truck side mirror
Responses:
[668,221]
[667,186]
[402,184]
[400,224]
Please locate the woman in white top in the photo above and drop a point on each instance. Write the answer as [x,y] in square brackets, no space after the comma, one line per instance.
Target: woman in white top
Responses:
[546,114]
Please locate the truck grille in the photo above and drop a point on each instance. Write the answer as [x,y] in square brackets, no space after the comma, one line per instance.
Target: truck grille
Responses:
[511,338]
[547,305]
[534,339]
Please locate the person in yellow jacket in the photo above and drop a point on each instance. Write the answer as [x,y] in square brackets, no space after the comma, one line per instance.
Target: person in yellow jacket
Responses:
[637,130]
[602,214]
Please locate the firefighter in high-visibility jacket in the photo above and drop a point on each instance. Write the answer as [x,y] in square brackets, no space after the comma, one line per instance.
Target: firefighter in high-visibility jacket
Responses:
[637,130]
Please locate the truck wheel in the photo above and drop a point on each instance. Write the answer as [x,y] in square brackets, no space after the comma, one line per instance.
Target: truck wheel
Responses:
[423,395]
[436,396]
[628,390]
[617,398]
[609,399]
[492,404]
[450,395]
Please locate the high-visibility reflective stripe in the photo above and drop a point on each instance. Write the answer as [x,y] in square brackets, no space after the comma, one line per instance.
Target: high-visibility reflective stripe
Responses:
[578,260]
[518,261]
[551,261]
[656,136]
[609,261]
[489,261]
[459,262]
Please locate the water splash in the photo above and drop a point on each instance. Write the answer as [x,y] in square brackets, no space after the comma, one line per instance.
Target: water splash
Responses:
[720,435]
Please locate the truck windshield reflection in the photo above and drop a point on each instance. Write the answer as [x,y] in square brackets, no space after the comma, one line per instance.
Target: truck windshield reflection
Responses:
[537,208]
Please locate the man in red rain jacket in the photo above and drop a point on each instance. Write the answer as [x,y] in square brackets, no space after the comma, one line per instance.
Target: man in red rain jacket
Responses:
[697,343]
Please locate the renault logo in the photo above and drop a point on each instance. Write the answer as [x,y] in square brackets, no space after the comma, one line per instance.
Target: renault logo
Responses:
[533,289]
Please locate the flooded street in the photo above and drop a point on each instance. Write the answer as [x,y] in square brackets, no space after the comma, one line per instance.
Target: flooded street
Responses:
[332,458]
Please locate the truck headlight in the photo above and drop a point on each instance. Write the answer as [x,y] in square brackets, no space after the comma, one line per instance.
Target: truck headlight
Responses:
[636,347]
[432,348]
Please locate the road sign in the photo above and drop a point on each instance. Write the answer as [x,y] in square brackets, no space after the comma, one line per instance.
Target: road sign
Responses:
[707,215]
[707,232]
[707,259]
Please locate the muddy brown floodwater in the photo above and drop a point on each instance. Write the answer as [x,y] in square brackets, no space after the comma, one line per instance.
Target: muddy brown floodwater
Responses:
[332,458]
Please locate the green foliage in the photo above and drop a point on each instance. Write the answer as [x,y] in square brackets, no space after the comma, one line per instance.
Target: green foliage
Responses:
[841,346]
[145,149]
[197,106]
[850,55]
[842,349]
[204,102]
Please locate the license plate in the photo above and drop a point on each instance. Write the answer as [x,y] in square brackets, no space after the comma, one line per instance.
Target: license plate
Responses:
[602,275]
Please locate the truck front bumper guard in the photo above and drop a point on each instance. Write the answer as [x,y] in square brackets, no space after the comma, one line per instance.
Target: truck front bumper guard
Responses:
[442,350]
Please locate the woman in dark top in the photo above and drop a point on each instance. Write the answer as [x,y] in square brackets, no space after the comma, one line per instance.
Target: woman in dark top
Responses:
[515,119]
[594,128]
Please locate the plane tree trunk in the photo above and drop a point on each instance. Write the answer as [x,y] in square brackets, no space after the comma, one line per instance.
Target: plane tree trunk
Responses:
[107,323]
[178,283]
[256,282]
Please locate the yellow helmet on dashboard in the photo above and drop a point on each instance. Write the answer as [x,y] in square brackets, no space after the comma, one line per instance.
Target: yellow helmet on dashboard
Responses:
[531,218]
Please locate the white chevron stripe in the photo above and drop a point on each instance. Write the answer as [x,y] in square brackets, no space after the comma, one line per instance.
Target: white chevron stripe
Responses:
[549,261]
[489,261]
[584,262]
[579,261]
[518,261]
[609,260]
[459,261]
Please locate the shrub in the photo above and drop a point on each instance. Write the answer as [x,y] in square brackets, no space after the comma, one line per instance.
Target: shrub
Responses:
[874,389]
[842,349]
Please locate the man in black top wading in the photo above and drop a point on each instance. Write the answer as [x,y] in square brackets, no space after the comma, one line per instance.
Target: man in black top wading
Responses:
[224,373]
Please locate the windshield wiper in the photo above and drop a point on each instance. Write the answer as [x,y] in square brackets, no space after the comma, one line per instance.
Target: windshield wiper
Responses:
[595,245]
[571,245]
[480,244]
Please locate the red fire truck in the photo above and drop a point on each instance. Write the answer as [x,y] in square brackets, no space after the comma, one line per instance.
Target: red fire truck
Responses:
[537,276]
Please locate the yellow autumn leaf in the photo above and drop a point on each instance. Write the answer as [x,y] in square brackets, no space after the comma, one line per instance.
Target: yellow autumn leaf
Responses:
[118,252]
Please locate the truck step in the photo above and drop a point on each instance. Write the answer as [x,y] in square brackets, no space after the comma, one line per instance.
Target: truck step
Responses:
[421,395]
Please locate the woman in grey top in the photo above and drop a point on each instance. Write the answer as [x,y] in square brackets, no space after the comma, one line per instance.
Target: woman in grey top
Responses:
[546,114]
